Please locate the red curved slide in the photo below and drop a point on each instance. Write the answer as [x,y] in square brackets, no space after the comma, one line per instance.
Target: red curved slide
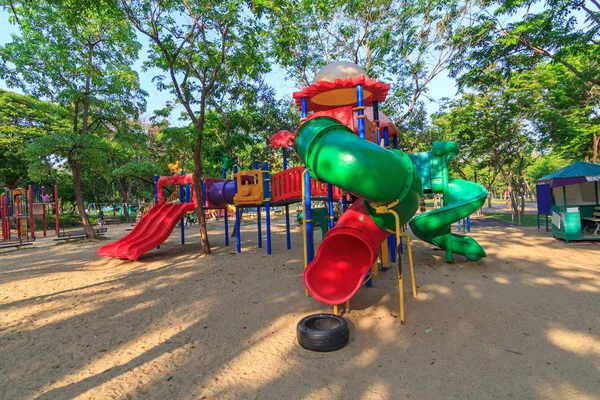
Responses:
[344,257]
[153,229]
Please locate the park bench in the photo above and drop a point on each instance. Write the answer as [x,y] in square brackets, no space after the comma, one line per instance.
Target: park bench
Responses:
[16,243]
[114,221]
[594,220]
[78,234]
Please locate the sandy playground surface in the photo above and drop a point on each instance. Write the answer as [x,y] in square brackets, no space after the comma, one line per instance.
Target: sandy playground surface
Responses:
[524,323]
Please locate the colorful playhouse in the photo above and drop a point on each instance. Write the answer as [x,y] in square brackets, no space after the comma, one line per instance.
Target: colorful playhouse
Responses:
[572,196]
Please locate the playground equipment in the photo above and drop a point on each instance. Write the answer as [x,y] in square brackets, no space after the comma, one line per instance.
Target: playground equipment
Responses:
[253,189]
[388,183]
[347,157]
[572,195]
[20,207]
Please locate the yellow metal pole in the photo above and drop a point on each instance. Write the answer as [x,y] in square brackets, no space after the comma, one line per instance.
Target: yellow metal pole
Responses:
[375,268]
[305,244]
[398,232]
[410,264]
[335,310]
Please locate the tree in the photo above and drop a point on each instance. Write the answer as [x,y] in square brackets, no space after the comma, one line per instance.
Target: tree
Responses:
[79,58]
[564,110]
[201,46]
[490,128]
[544,165]
[406,43]
[24,119]
[560,30]
[130,161]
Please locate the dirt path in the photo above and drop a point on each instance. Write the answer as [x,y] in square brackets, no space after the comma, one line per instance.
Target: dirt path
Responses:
[522,323]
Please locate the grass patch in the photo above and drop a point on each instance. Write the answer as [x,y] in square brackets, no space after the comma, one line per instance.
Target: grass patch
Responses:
[526,220]
[67,221]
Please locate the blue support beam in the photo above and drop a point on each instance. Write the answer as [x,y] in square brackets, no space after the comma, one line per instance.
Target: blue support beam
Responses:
[238,239]
[267,205]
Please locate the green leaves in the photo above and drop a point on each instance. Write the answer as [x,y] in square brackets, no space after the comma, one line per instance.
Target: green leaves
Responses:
[24,121]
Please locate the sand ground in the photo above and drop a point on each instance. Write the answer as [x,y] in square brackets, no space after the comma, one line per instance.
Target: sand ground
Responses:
[523,323]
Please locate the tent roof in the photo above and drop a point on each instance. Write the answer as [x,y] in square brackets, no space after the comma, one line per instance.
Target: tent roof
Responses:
[577,172]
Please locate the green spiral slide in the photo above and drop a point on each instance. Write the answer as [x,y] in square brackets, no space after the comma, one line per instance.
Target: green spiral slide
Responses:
[461,199]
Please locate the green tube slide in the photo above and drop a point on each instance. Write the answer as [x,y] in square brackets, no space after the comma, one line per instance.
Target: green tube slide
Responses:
[333,153]
[461,199]
[434,226]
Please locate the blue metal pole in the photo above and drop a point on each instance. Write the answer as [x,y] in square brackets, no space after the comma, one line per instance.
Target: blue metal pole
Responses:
[182,200]
[344,202]
[395,141]
[392,246]
[546,222]
[226,214]
[361,111]
[376,118]
[386,137]
[259,222]
[469,223]
[267,206]
[304,108]
[330,205]
[238,241]
[155,189]
[288,235]
[203,193]
[310,249]
[538,220]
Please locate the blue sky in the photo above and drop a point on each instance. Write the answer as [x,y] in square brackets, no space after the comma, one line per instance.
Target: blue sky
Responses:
[442,86]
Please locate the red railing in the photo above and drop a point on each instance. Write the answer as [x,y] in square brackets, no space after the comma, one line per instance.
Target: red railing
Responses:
[286,187]
[174,180]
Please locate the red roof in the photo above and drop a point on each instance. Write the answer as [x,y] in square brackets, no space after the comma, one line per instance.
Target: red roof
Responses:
[325,95]
[282,139]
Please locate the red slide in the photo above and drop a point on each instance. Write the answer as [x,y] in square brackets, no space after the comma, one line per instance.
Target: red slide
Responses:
[344,257]
[153,229]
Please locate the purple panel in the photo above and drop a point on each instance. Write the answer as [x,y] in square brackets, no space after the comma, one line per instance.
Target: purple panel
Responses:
[221,193]
[568,181]
[544,199]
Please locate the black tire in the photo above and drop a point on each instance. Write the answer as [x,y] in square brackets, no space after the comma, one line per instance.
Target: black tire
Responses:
[323,332]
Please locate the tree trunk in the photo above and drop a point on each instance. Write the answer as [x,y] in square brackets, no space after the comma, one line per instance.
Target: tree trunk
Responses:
[125,195]
[85,221]
[595,144]
[197,177]
[489,199]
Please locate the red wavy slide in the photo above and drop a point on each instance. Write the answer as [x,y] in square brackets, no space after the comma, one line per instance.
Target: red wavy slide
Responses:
[153,229]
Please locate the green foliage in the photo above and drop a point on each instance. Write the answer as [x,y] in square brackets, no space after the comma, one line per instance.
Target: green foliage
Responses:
[544,165]
[23,121]
[406,43]
[560,30]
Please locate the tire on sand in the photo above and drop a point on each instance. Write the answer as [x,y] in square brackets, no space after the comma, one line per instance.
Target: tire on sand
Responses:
[323,332]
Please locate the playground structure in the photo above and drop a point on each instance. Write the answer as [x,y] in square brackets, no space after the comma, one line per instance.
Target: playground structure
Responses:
[572,196]
[347,158]
[247,189]
[20,207]
[333,142]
